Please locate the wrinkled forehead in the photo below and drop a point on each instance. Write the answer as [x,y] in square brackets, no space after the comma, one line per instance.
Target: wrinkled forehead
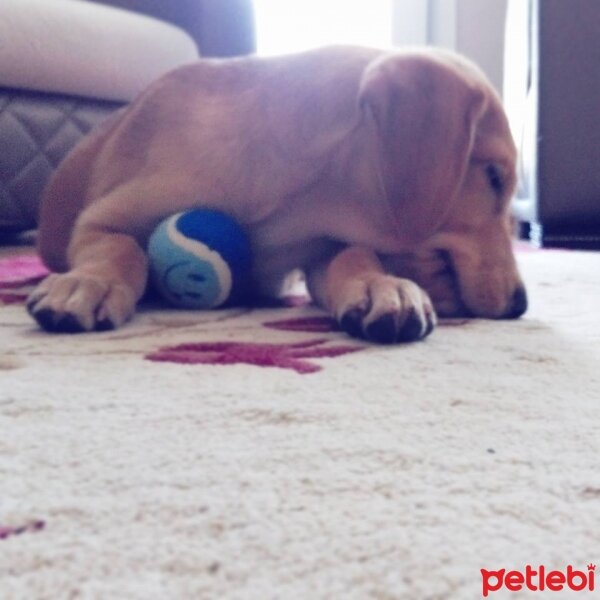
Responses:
[494,141]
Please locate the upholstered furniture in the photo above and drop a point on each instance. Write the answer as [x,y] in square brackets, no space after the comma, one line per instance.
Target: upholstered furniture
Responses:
[66,64]
[552,94]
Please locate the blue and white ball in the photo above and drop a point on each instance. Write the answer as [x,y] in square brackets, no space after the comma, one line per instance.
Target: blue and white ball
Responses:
[200,259]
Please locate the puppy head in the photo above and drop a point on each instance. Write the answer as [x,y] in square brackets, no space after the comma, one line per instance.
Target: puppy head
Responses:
[448,168]
[426,118]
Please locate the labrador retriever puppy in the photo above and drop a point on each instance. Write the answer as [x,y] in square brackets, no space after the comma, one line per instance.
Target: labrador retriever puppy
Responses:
[384,175]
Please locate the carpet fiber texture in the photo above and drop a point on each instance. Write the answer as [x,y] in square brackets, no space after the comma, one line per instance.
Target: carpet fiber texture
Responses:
[262,454]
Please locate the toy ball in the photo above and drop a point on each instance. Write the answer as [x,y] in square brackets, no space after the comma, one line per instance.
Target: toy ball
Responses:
[200,259]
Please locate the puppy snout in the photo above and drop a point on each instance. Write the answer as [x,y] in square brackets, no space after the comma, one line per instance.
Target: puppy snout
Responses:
[518,304]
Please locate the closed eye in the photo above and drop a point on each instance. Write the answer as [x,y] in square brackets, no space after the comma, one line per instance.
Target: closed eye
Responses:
[495,179]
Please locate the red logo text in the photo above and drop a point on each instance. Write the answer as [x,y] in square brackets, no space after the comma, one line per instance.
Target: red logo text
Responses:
[538,579]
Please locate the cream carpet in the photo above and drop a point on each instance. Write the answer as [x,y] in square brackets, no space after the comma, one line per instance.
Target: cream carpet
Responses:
[341,471]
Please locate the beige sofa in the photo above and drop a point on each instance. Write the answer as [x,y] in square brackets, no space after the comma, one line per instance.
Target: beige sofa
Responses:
[66,64]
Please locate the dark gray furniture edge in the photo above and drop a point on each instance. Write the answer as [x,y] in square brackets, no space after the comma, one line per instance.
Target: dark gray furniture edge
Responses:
[37,130]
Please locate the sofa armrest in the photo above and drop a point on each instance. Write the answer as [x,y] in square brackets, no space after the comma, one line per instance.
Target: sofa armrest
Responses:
[219,27]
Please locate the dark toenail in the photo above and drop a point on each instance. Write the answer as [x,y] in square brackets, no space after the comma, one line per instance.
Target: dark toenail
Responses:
[430,326]
[411,329]
[68,324]
[351,322]
[518,305]
[105,325]
[383,330]
[44,317]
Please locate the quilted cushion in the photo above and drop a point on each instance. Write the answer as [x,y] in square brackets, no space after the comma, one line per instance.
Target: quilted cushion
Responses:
[64,66]
[36,132]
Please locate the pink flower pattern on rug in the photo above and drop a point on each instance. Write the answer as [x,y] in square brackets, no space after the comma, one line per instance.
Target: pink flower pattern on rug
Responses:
[10,530]
[283,356]
[19,272]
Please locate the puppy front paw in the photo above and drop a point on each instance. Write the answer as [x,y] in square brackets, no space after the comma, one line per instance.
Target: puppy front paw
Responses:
[385,309]
[74,303]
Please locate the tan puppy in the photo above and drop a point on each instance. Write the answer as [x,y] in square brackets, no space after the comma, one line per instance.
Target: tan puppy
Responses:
[359,166]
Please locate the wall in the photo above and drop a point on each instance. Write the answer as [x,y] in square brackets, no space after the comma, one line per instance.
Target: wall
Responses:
[474,28]
[480,34]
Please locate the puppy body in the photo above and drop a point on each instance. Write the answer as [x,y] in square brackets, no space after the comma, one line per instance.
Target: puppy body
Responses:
[331,159]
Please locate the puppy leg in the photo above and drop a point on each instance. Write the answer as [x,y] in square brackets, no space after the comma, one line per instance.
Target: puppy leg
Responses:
[107,277]
[367,302]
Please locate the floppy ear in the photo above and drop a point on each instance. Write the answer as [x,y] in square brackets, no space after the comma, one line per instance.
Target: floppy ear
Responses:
[426,114]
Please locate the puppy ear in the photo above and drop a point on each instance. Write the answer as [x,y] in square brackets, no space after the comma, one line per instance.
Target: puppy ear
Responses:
[426,115]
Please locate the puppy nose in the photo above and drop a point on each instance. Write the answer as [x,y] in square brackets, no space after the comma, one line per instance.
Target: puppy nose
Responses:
[518,304]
